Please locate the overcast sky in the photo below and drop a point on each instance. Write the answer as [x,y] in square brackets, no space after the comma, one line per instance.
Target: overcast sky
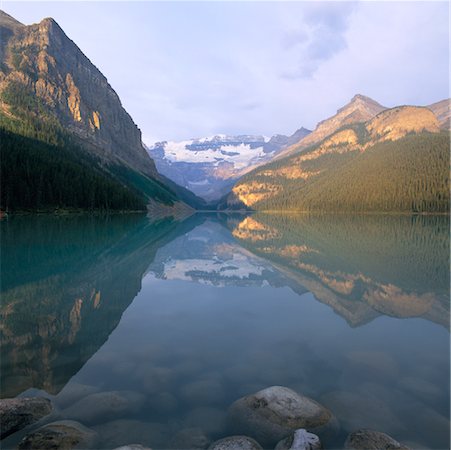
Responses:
[186,70]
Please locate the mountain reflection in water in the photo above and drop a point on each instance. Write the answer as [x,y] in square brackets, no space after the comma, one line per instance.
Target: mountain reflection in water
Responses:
[192,315]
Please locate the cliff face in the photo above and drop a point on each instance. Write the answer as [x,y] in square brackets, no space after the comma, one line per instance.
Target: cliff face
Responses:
[42,60]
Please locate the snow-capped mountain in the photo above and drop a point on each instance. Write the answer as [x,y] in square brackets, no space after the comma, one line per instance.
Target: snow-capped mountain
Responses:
[209,166]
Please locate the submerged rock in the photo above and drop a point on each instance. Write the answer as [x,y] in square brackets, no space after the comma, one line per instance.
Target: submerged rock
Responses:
[74,392]
[236,443]
[300,440]
[61,435]
[193,438]
[132,447]
[372,440]
[103,406]
[273,413]
[17,413]
[122,431]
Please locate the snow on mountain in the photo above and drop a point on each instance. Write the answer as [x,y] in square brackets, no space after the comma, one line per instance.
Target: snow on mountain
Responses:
[209,166]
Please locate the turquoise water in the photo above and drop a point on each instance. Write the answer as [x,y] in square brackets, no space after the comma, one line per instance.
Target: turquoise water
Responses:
[185,318]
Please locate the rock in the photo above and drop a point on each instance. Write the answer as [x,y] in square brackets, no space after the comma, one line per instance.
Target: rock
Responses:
[358,410]
[211,420]
[164,402]
[192,438]
[17,413]
[120,432]
[273,413]
[64,435]
[132,447]
[203,392]
[300,440]
[73,392]
[372,440]
[102,406]
[235,443]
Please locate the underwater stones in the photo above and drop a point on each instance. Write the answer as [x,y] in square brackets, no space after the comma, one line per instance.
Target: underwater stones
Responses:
[358,409]
[193,438]
[62,435]
[102,406]
[132,447]
[235,443]
[17,413]
[120,432]
[273,413]
[211,420]
[74,392]
[300,440]
[372,440]
[203,392]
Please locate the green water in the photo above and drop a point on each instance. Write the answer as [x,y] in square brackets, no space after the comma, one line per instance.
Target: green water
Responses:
[185,318]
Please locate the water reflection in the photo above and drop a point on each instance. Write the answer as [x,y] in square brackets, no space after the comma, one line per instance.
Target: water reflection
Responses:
[65,284]
[362,266]
[180,319]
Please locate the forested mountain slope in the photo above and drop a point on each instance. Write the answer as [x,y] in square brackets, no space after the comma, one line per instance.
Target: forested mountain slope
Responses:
[397,161]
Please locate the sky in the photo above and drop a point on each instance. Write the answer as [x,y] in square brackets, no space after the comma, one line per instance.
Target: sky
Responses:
[194,69]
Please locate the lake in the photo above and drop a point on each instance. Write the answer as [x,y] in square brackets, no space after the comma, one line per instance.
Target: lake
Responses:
[173,321]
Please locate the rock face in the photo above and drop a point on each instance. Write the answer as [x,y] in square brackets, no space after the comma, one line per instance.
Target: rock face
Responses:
[209,166]
[300,440]
[17,413]
[273,413]
[64,435]
[359,109]
[235,443]
[372,440]
[41,60]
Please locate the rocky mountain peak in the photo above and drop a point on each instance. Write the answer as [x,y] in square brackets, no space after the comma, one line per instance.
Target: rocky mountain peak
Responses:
[40,59]
[365,105]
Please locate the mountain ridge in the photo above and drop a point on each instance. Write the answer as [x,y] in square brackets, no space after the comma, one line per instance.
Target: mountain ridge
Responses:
[397,141]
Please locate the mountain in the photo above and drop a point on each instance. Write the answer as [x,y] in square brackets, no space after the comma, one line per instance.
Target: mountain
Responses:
[52,95]
[209,166]
[442,111]
[359,109]
[396,161]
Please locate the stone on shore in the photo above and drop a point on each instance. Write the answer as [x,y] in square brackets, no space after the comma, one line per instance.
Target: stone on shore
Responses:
[61,435]
[300,440]
[17,413]
[274,413]
[236,443]
[372,440]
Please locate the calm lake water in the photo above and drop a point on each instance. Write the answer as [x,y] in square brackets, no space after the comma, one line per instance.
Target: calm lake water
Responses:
[178,320]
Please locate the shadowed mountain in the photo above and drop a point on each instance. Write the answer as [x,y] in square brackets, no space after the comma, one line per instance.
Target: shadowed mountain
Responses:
[59,114]
[361,266]
[65,285]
